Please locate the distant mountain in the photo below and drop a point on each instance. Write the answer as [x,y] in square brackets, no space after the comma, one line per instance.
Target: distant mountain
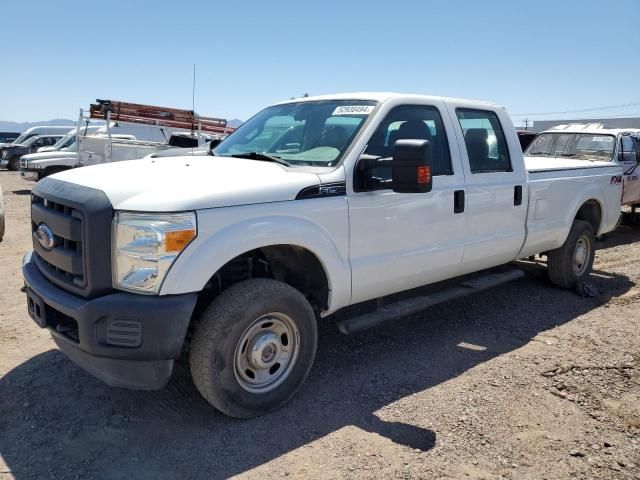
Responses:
[6,126]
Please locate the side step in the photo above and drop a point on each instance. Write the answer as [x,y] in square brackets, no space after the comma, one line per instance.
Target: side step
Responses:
[414,305]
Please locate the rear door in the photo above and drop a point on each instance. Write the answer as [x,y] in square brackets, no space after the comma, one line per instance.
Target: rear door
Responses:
[495,197]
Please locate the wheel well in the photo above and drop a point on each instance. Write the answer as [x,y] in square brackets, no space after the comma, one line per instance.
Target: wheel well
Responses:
[591,212]
[290,264]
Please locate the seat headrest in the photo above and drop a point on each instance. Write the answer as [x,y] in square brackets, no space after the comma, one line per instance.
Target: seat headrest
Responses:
[476,135]
[334,136]
[414,129]
[477,145]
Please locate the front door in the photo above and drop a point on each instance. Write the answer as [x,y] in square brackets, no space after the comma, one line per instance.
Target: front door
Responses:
[631,179]
[399,241]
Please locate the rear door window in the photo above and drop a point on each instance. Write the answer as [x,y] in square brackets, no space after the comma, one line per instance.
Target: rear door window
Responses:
[485,141]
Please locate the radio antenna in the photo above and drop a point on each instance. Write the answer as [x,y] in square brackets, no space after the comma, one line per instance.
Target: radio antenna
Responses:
[193,92]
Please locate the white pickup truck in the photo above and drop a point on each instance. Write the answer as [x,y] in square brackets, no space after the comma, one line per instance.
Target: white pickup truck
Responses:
[594,141]
[310,206]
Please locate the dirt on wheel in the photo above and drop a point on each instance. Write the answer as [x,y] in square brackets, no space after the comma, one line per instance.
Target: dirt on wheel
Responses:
[525,381]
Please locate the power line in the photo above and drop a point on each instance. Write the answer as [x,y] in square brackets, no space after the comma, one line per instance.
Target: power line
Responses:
[610,107]
[629,115]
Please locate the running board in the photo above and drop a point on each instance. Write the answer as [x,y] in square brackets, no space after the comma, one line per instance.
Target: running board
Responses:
[414,305]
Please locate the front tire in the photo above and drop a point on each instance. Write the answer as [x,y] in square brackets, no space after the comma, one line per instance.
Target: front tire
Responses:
[253,348]
[572,262]
[14,164]
[51,171]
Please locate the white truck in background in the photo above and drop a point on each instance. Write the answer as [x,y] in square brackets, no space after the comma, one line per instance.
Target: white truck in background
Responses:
[64,154]
[311,206]
[34,166]
[595,142]
[131,131]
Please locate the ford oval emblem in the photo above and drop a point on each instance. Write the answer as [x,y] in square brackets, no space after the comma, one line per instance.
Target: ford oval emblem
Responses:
[45,236]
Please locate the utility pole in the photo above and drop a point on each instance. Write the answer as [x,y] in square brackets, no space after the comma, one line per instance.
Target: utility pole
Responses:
[526,123]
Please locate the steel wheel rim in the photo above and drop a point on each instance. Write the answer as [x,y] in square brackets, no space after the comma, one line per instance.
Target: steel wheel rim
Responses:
[581,255]
[266,353]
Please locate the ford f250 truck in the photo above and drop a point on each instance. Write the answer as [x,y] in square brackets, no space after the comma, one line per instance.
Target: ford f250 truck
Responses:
[594,141]
[310,206]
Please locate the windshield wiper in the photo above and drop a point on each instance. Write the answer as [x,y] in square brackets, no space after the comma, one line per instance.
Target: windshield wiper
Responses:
[261,156]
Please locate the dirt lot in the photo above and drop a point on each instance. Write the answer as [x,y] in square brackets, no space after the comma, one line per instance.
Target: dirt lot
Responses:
[522,382]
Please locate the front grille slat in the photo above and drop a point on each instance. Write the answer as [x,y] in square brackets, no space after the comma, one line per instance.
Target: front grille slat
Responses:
[66,260]
[63,224]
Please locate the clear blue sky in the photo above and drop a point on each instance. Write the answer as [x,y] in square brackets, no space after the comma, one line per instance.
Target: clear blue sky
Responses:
[534,56]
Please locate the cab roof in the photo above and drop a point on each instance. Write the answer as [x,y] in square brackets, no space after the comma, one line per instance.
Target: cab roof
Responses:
[385,96]
[591,129]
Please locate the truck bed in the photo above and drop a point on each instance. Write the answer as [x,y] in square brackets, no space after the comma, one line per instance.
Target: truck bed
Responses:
[554,184]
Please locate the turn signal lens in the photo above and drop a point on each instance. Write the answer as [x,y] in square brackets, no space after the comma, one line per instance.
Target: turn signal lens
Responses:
[178,239]
[424,174]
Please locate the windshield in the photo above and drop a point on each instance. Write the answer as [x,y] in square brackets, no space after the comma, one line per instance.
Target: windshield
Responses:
[7,138]
[581,146]
[65,142]
[23,137]
[302,133]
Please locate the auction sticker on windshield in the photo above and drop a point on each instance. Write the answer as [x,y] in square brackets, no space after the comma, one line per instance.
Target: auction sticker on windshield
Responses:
[602,139]
[353,110]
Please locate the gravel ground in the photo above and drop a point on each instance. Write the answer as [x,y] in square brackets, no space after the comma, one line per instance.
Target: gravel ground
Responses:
[524,381]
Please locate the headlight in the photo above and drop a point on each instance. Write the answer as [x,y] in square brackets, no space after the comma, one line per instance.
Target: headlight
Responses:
[146,245]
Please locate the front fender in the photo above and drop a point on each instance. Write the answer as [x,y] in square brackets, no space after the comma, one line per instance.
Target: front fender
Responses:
[225,233]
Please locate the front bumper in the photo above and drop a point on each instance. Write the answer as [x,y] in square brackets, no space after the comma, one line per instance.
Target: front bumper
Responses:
[126,340]
[29,174]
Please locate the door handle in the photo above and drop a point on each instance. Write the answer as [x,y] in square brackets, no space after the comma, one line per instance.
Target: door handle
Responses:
[458,201]
[517,195]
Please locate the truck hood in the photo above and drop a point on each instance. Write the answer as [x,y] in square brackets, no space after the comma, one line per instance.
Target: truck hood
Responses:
[32,157]
[13,146]
[537,164]
[190,183]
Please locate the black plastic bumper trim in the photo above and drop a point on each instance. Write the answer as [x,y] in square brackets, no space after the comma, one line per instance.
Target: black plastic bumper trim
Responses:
[163,324]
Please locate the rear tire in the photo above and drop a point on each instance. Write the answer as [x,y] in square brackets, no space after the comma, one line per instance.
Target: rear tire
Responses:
[253,348]
[572,262]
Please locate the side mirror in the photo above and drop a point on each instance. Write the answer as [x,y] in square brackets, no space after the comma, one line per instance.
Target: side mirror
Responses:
[411,166]
[213,144]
